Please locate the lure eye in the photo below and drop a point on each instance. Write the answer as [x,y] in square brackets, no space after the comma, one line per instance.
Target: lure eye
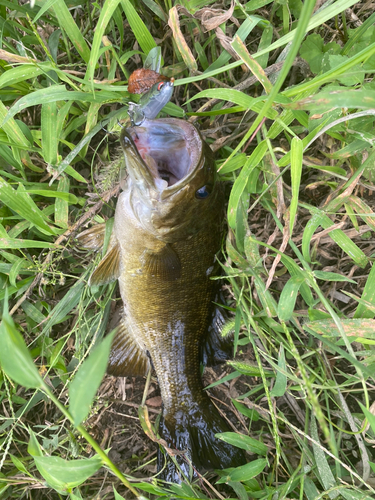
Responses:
[203,192]
[160,86]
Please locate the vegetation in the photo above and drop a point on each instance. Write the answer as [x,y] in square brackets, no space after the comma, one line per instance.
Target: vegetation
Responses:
[284,93]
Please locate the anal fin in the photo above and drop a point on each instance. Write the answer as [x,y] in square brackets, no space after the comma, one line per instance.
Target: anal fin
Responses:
[109,267]
[164,264]
[127,357]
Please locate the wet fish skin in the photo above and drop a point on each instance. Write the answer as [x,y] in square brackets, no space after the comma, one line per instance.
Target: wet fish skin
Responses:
[166,238]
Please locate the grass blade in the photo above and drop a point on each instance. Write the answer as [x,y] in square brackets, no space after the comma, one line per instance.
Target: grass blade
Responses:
[138,27]
[83,388]
[67,22]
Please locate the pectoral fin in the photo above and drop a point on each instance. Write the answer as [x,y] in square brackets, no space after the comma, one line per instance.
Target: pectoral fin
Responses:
[127,356]
[108,269]
[164,264]
[92,238]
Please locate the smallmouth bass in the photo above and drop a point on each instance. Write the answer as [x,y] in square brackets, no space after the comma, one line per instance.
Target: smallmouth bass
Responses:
[168,228]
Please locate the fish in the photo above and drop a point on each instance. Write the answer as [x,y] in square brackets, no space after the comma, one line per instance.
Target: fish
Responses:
[167,231]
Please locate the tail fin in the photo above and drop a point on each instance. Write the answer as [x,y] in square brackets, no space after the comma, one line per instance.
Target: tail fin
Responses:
[192,435]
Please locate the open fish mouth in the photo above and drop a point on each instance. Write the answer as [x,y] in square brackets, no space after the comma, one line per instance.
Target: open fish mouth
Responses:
[168,152]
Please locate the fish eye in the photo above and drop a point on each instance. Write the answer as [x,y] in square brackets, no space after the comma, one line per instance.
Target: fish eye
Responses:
[161,85]
[203,192]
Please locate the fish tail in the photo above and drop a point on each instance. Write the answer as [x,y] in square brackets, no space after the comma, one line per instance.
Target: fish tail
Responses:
[190,437]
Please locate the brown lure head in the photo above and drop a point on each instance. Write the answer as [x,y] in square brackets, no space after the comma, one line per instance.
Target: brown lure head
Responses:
[141,80]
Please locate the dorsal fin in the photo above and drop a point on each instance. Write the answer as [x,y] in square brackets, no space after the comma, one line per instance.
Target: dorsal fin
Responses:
[127,356]
[164,264]
[109,267]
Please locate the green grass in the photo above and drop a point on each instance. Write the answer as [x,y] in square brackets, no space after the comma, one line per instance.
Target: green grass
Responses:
[296,149]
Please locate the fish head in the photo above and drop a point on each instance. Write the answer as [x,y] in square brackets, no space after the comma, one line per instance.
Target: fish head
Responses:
[172,177]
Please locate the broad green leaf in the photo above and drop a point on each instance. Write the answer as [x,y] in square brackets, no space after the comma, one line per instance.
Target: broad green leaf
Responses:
[343,241]
[237,97]
[47,5]
[85,384]
[359,329]
[108,9]
[295,270]
[265,41]
[15,358]
[65,305]
[288,297]
[63,475]
[235,163]
[71,199]
[370,417]
[296,157]
[21,287]
[17,462]
[248,412]
[361,99]
[245,472]
[32,312]
[332,74]
[368,295]
[326,477]
[310,489]
[19,74]
[279,388]
[240,184]
[58,93]
[67,22]
[241,50]
[19,243]
[312,51]
[328,276]
[244,442]
[61,205]
[138,27]
[265,296]
[16,267]
[22,204]
[358,33]
[34,449]
[156,9]
[49,139]
[361,367]
[117,495]
[18,141]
